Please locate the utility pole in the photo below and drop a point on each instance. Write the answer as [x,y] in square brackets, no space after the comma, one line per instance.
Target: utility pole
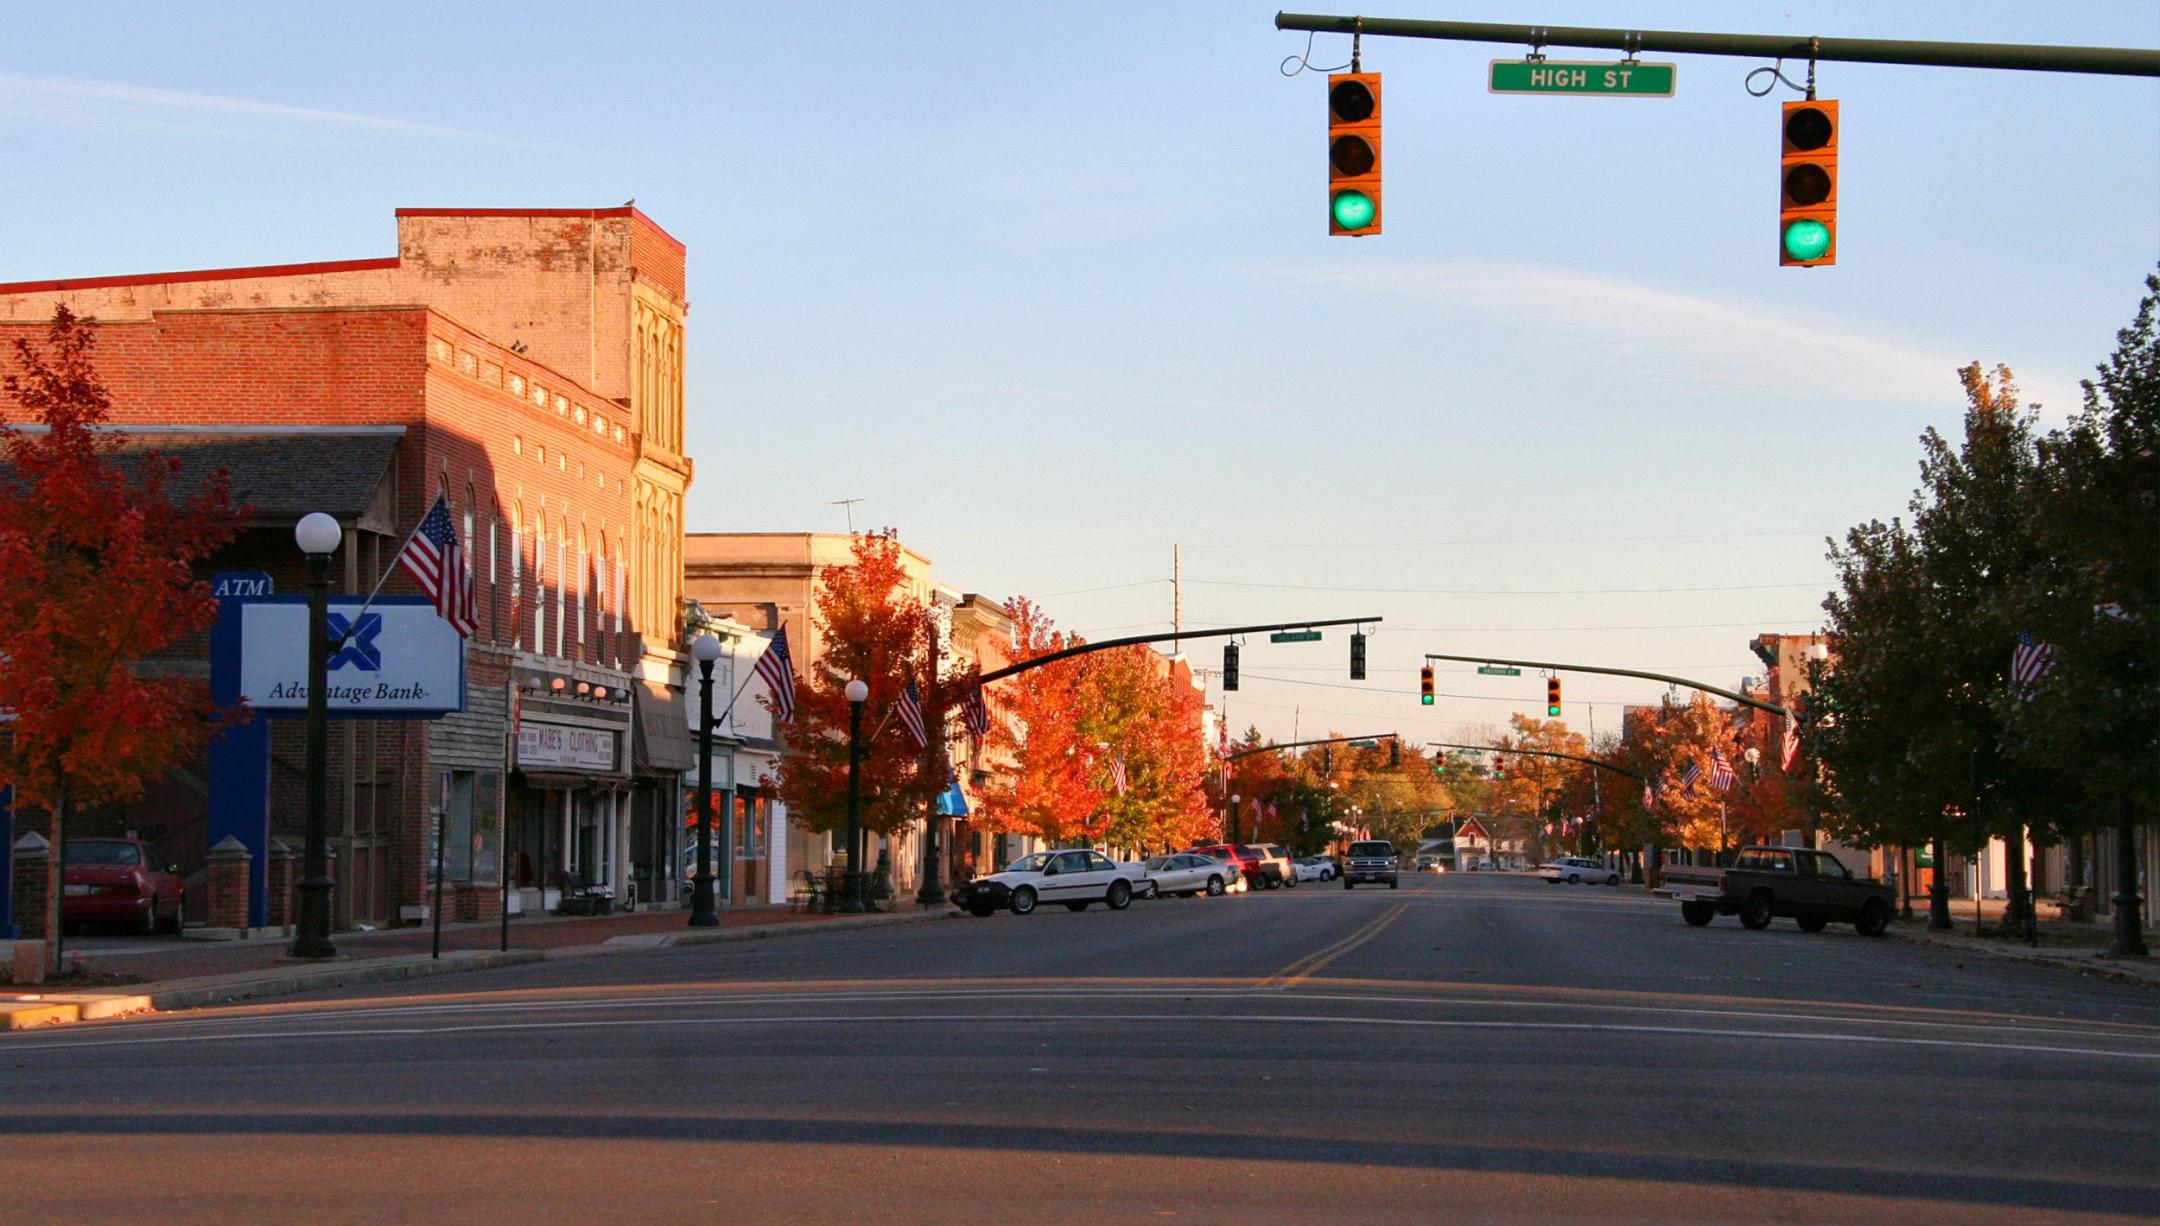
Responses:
[1177,590]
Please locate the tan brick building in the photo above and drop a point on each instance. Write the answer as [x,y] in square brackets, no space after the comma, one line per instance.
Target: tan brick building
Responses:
[528,363]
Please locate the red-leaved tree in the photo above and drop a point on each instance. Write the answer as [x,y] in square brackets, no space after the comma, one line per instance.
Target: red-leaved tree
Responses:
[99,556]
[1047,787]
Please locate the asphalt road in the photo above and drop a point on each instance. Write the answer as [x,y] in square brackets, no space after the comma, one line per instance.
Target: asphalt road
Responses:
[1464,1047]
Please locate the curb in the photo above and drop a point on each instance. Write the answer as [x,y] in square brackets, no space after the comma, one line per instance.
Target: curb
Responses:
[2091,964]
[60,1009]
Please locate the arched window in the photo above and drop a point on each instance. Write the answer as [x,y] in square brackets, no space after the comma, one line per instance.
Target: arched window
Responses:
[562,578]
[540,639]
[583,576]
[517,575]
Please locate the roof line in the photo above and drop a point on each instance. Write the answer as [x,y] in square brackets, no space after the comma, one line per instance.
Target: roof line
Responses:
[199,274]
[179,428]
[621,210]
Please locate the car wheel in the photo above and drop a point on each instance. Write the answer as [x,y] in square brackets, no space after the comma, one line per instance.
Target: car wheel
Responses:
[1572,879]
[981,910]
[1613,880]
[1812,922]
[1274,883]
[1023,900]
[1697,914]
[1756,912]
[1076,906]
[1214,887]
[1119,897]
[1327,874]
[1874,917]
[1291,881]
[179,915]
[1348,884]
[1394,883]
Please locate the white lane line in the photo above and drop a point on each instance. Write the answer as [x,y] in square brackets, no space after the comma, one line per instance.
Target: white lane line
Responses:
[947,1019]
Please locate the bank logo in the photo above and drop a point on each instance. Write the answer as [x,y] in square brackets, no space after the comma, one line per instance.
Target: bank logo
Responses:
[358,648]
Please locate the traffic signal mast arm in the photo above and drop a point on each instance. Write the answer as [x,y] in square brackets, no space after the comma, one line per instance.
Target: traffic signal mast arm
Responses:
[1333,740]
[1756,703]
[1175,636]
[1541,753]
[2109,61]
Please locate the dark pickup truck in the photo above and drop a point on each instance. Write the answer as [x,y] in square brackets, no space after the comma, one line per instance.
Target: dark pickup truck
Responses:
[1810,887]
[1371,860]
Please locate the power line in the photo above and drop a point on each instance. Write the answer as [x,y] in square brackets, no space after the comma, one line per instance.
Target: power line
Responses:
[1494,591]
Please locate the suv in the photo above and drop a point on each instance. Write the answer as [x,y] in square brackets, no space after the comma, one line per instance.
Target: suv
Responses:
[1370,860]
[1280,861]
[1244,861]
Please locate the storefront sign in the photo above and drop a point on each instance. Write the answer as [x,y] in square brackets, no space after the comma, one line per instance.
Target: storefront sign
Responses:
[559,745]
[398,658]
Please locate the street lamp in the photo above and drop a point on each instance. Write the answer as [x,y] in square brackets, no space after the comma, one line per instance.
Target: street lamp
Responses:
[318,536]
[1232,832]
[704,649]
[852,889]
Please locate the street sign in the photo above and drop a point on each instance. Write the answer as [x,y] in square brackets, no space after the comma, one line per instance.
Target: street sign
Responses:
[1495,670]
[1630,79]
[1294,636]
[1364,744]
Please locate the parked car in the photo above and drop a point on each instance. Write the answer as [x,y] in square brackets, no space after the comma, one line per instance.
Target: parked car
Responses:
[1812,887]
[1429,864]
[1370,860]
[1285,868]
[1315,868]
[1228,855]
[1187,873]
[1577,869]
[1078,879]
[1250,860]
[125,881]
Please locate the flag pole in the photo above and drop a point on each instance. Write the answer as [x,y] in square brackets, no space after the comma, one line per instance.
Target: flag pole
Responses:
[373,592]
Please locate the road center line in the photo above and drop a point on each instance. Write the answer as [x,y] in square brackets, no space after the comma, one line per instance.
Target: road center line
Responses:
[1297,972]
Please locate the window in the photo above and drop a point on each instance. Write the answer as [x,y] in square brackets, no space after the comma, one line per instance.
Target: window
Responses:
[1072,862]
[1830,867]
[1099,862]
[562,580]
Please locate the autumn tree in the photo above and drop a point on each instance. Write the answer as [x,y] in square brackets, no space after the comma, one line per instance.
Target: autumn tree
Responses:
[100,556]
[1048,787]
[1532,793]
[875,629]
[1147,732]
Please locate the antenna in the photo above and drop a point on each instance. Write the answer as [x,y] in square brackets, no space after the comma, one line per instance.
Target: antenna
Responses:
[849,503]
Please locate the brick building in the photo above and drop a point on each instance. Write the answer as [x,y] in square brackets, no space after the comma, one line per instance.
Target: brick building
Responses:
[528,363]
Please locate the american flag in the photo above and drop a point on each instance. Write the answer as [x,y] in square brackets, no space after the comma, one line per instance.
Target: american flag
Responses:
[434,560]
[975,711]
[1649,796]
[1117,773]
[911,715]
[1720,771]
[1688,778]
[777,668]
[1791,747]
[2032,660]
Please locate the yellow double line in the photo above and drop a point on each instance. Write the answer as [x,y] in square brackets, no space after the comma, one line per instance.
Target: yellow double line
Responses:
[1311,964]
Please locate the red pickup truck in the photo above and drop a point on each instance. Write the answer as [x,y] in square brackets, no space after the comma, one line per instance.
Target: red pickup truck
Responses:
[1810,887]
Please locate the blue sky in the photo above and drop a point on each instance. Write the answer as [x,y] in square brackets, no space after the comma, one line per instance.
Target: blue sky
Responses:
[1049,287]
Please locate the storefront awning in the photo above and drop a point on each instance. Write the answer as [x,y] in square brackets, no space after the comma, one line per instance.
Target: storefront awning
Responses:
[660,742]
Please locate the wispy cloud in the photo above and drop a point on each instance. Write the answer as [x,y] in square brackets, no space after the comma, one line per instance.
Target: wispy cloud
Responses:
[168,112]
[1706,344]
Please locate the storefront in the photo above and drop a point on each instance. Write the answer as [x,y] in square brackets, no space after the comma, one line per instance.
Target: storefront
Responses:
[569,809]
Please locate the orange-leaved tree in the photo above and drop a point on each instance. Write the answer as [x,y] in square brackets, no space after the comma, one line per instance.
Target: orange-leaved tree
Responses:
[99,554]
[1143,713]
[875,628]
[1048,788]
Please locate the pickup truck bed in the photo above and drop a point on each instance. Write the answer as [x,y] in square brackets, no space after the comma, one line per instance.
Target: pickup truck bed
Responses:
[1810,887]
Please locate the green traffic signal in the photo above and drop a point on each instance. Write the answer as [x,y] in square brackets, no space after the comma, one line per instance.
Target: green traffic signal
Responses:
[1352,209]
[1806,239]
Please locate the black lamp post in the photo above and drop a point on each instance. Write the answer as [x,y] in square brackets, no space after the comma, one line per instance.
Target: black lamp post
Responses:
[704,649]
[317,535]
[852,891]
[1231,826]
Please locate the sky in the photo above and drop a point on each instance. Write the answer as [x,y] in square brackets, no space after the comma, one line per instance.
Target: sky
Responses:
[1048,287]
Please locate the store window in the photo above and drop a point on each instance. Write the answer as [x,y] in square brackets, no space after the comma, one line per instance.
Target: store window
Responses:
[470,802]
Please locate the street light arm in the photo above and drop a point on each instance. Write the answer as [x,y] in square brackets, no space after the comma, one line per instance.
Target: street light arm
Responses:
[1333,740]
[1667,678]
[1543,753]
[1135,640]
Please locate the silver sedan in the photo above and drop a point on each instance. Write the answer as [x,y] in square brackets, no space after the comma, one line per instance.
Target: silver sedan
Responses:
[1186,874]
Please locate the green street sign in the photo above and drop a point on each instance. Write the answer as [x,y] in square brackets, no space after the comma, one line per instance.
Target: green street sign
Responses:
[1364,744]
[1294,636]
[1583,77]
[1495,670]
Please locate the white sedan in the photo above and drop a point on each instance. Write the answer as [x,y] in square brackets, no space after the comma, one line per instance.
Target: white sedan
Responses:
[1078,879]
[1315,868]
[1186,874]
[1577,869]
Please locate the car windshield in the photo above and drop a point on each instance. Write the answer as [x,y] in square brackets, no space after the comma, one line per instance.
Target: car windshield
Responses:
[1159,862]
[1372,849]
[96,851]
[1251,853]
[1029,864]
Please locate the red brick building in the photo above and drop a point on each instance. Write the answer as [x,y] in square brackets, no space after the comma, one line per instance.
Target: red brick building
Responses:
[527,362]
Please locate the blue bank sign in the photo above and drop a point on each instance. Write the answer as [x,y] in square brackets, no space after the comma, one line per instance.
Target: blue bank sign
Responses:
[399,658]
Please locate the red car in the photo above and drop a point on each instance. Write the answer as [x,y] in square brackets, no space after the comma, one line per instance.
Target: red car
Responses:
[122,881]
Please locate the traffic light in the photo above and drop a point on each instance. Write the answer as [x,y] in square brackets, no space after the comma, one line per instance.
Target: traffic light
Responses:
[1353,121]
[1552,697]
[1394,753]
[1327,761]
[1425,685]
[1439,763]
[1499,767]
[1229,667]
[1807,207]
[1357,655]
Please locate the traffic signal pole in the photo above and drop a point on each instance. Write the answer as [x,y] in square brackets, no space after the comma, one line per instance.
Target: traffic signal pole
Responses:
[1927,53]
[1668,679]
[1542,753]
[1333,740]
[1173,637]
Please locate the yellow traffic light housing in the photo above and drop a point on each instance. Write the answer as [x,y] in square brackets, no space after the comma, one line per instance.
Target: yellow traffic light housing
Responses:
[1354,153]
[1807,185]
[1425,694]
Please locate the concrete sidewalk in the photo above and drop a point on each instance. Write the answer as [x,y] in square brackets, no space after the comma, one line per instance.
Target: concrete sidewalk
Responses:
[192,974]
[2078,947]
